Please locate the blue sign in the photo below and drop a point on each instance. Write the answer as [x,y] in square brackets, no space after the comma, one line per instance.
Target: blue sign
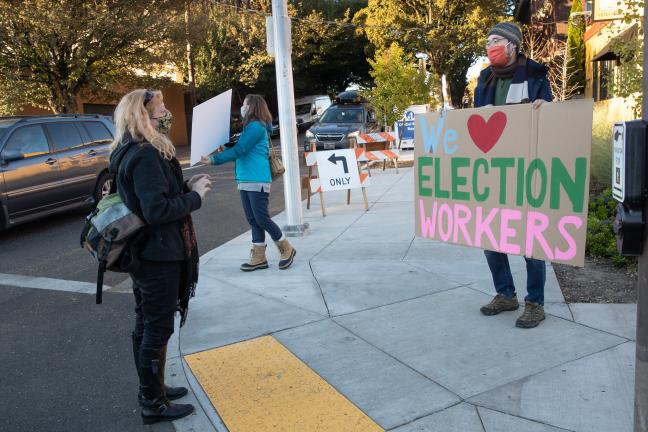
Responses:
[408,130]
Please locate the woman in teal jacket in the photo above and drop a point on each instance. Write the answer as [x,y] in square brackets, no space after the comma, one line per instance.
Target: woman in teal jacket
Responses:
[254,181]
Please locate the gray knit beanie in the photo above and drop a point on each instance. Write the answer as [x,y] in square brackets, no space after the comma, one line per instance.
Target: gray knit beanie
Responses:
[509,31]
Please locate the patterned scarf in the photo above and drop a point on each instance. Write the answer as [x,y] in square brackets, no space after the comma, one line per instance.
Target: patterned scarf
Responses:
[519,90]
[189,278]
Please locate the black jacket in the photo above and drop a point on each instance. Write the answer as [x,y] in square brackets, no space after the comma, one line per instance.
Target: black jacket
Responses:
[152,187]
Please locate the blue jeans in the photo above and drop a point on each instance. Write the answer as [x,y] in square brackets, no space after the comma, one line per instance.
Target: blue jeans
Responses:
[503,279]
[255,205]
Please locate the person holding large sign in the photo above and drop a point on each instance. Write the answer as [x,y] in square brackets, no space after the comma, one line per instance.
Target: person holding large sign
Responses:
[254,179]
[512,78]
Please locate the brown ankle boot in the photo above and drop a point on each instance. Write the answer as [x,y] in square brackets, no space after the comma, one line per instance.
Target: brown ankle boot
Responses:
[532,316]
[258,259]
[500,304]
[287,253]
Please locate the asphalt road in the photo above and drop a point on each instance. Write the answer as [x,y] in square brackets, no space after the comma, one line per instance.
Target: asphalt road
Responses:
[67,363]
[50,247]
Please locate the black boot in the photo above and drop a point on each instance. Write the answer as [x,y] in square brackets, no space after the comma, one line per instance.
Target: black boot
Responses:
[172,393]
[155,405]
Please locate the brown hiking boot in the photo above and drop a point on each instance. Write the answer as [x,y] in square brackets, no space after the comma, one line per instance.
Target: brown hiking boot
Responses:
[258,259]
[532,316]
[287,254]
[500,303]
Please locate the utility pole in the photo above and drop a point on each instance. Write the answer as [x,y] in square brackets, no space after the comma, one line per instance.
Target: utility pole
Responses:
[287,118]
[641,367]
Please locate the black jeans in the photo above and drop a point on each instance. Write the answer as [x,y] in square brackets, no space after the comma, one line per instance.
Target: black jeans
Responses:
[255,205]
[156,285]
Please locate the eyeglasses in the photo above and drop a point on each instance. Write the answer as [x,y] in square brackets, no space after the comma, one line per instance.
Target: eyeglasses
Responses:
[148,96]
[494,42]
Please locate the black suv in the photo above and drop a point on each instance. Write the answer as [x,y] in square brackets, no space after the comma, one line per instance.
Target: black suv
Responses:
[52,163]
[337,127]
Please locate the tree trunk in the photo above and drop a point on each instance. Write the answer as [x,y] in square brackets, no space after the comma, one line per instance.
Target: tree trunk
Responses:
[70,104]
[62,100]
[457,91]
[457,87]
[190,56]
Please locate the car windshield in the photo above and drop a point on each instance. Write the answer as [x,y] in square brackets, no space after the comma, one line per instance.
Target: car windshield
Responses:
[342,115]
[303,109]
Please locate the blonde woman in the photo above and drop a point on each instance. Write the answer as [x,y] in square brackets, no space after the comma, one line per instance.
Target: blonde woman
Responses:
[254,179]
[149,181]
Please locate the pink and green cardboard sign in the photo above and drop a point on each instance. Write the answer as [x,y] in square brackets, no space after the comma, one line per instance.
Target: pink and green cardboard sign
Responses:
[509,179]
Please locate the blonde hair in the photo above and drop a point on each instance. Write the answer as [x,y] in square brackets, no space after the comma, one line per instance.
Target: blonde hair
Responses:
[258,109]
[133,117]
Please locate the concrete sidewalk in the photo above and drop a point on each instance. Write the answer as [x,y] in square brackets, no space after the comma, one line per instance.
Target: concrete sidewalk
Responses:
[391,324]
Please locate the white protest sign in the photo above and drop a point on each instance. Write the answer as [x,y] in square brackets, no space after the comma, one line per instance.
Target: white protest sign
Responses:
[338,170]
[210,127]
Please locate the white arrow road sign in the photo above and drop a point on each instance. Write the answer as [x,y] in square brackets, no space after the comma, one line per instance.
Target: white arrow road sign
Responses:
[338,170]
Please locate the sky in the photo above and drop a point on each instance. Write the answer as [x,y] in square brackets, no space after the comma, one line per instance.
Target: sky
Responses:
[476,68]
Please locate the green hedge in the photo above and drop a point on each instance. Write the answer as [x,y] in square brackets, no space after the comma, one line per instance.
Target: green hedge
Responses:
[601,149]
[601,240]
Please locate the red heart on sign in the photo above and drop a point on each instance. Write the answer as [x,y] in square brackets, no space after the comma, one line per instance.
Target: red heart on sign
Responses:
[485,134]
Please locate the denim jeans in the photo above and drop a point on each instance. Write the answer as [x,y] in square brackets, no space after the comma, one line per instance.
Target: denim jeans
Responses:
[503,279]
[255,205]
[155,286]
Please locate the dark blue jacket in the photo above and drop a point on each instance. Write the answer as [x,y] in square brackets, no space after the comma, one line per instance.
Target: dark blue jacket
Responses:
[539,87]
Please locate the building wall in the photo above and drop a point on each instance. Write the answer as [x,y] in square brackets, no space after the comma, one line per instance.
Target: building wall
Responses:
[597,37]
[174,100]
[607,111]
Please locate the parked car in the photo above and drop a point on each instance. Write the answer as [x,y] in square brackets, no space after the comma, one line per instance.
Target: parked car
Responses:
[309,109]
[337,127]
[52,163]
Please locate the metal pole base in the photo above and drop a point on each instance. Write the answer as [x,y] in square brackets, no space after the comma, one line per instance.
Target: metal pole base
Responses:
[295,230]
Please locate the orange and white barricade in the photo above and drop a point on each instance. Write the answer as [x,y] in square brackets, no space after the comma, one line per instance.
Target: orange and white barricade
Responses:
[378,146]
[378,137]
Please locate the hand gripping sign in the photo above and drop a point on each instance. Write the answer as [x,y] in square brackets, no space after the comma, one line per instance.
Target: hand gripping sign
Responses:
[509,179]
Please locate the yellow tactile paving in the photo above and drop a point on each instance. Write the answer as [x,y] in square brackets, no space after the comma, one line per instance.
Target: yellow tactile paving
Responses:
[259,386]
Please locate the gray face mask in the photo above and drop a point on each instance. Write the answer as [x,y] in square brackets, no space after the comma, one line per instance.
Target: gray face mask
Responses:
[164,123]
[244,110]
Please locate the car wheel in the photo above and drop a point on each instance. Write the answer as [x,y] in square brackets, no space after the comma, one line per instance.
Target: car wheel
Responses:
[104,184]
